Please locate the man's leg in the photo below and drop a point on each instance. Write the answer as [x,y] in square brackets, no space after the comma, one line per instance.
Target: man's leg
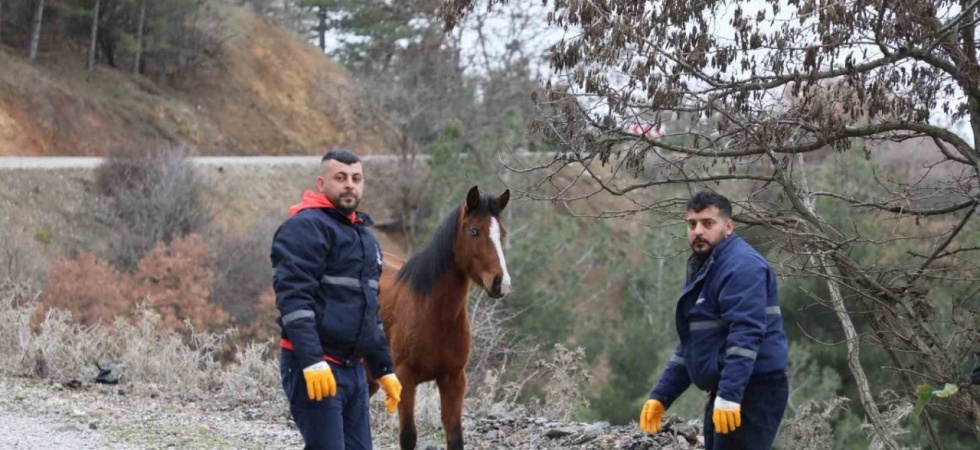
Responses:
[357,412]
[321,423]
[763,405]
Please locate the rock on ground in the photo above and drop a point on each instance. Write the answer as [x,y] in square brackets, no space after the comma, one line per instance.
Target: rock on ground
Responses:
[526,432]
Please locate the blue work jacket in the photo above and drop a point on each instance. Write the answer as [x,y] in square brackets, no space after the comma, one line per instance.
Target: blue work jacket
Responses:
[729,324]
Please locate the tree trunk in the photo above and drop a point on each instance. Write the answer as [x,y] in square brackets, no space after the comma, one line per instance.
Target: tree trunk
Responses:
[1,18]
[139,37]
[36,30]
[322,27]
[854,360]
[807,202]
[286,14]
[95,36]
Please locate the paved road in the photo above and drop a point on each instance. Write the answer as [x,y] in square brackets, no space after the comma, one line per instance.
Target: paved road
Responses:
[67,162]
[81,162]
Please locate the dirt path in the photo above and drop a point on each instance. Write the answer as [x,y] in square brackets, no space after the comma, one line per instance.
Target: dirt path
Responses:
[43,433]
[35,415]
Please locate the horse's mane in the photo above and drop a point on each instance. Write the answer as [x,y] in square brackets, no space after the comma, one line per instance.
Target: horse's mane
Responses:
[425,267]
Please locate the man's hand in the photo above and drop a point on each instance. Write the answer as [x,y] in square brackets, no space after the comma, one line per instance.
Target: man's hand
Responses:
[319,381]
[727,416]
[653,411]
[393,390]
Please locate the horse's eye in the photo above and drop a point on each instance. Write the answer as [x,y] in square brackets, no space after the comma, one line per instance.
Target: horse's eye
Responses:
[473,231]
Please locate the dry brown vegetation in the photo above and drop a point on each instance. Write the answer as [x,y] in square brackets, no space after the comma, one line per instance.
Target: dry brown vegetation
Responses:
[91,289]
[156,360]
[174,280]
[152,359]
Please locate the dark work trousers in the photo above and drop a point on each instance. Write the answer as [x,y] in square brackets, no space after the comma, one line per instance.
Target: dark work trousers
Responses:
[341,422]
[763,405]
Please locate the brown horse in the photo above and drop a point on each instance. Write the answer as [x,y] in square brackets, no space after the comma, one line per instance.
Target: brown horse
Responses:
[423,307]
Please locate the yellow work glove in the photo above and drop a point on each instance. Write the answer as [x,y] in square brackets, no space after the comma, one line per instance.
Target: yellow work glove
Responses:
[653,411]
[319,381]
[393,390]
[727,416]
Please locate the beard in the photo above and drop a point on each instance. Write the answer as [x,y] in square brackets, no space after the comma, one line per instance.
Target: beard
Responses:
[701,246]
[346,203]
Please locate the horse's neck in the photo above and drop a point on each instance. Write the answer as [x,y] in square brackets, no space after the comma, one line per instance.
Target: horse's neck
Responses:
[450,295]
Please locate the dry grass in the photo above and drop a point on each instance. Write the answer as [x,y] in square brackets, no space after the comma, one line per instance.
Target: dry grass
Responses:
[22,256]
[567,375]
[896,412]
[187,366]
[253,378]
[812,426]
[153,361]
[384,426]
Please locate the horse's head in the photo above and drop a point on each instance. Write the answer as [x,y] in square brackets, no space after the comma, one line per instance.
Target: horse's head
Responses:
[479,247]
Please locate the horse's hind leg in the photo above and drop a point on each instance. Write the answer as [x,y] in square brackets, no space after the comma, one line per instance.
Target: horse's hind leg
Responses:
[452,389]
[406,415]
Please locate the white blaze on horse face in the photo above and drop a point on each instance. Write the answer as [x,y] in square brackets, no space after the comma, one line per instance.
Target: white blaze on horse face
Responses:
[495,237]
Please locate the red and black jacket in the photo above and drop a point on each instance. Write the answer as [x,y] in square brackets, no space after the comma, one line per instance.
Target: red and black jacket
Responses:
[327,266]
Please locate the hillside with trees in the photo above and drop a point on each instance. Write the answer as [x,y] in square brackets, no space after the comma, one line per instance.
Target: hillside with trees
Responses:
[86,78]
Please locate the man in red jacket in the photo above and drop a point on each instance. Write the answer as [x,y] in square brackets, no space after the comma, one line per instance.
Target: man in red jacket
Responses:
[327,266]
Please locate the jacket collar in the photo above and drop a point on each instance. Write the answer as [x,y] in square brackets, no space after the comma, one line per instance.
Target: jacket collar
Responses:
[317,200]
[722,246]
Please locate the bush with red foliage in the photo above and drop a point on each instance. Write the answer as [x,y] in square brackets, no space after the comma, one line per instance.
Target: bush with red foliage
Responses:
[175,280]
[91,289]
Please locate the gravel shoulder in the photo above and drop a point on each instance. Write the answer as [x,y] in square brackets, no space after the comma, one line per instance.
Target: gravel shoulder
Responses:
[42,433]
[37,415]
[47,415]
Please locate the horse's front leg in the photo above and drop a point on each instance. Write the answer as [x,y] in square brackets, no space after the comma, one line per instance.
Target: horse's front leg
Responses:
[452,389]
[407,436]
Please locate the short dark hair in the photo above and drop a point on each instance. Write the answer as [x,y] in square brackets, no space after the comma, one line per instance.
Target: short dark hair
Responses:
[343,156]
[705,199]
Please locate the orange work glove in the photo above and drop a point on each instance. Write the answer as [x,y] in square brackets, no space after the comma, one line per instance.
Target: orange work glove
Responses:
[393,390]
[653,411]
[319,381]
[727,416]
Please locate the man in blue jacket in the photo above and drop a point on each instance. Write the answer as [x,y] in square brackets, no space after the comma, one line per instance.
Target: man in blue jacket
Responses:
[327,266]
[732,343]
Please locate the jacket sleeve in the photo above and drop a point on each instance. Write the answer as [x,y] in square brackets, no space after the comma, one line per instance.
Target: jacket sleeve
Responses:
[743,308]
[674,380]
[298,258]
[379,358]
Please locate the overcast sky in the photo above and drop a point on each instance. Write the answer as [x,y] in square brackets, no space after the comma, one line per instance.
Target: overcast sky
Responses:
[536,36]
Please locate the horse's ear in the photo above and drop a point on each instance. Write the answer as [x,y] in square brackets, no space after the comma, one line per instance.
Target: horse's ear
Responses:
[473,199]
[502,200]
